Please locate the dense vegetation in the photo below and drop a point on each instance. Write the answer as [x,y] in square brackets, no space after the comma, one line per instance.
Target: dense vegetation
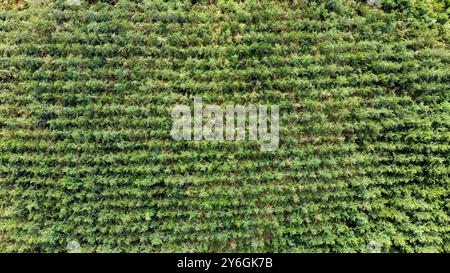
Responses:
[86,152]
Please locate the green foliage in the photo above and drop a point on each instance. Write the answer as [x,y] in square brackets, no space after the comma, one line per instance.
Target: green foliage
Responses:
[421,9]
[86,153]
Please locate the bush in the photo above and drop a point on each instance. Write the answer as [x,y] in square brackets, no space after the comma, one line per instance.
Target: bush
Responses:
[86,155]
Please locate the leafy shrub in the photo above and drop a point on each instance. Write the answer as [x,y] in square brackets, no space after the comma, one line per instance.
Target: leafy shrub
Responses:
[86,154]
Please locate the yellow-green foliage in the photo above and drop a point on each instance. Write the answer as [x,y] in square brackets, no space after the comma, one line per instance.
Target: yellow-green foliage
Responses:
[8,4]
[86,153]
